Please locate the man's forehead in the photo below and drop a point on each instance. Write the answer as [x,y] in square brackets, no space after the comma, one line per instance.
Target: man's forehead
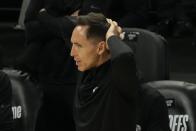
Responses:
[78,33]
[81,30]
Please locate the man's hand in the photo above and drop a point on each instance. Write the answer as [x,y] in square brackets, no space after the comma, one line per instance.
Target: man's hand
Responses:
[114,30]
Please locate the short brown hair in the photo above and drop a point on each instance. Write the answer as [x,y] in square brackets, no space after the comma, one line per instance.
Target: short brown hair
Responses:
[97,25]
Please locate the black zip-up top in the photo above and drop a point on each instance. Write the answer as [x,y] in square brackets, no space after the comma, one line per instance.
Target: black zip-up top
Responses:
[106,96]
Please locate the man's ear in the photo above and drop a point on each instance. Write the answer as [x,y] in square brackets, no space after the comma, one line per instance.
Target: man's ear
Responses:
[101,47]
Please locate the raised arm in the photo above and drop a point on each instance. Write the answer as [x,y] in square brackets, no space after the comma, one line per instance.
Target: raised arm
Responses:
[123,63]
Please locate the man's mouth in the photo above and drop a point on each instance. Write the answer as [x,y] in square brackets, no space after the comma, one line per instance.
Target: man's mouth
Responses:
[77,62]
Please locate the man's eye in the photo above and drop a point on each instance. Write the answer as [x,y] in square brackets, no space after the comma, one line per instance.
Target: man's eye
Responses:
[79,46]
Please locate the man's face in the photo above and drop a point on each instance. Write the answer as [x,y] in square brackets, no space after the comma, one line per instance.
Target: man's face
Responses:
[84,51]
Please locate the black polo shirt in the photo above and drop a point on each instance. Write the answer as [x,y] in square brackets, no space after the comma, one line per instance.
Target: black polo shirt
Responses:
[106,96]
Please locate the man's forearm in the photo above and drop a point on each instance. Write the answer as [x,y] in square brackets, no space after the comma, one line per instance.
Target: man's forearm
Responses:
[117,47]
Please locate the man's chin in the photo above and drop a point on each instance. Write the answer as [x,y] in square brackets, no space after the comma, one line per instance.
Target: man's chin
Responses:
[81,69]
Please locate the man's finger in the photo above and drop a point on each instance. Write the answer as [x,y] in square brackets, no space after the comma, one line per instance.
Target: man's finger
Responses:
[122,35]
[109,20]
[119,29]
[115,23]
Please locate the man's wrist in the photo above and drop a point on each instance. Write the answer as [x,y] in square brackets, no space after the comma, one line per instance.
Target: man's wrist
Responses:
[109,36]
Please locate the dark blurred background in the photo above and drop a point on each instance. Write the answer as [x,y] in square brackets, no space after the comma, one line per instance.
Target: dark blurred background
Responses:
[181,41]
[9,10]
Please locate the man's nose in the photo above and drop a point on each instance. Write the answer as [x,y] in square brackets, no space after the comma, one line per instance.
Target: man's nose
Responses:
[72,53]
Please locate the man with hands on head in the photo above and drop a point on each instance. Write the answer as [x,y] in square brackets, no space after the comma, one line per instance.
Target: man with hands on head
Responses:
[106,93]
